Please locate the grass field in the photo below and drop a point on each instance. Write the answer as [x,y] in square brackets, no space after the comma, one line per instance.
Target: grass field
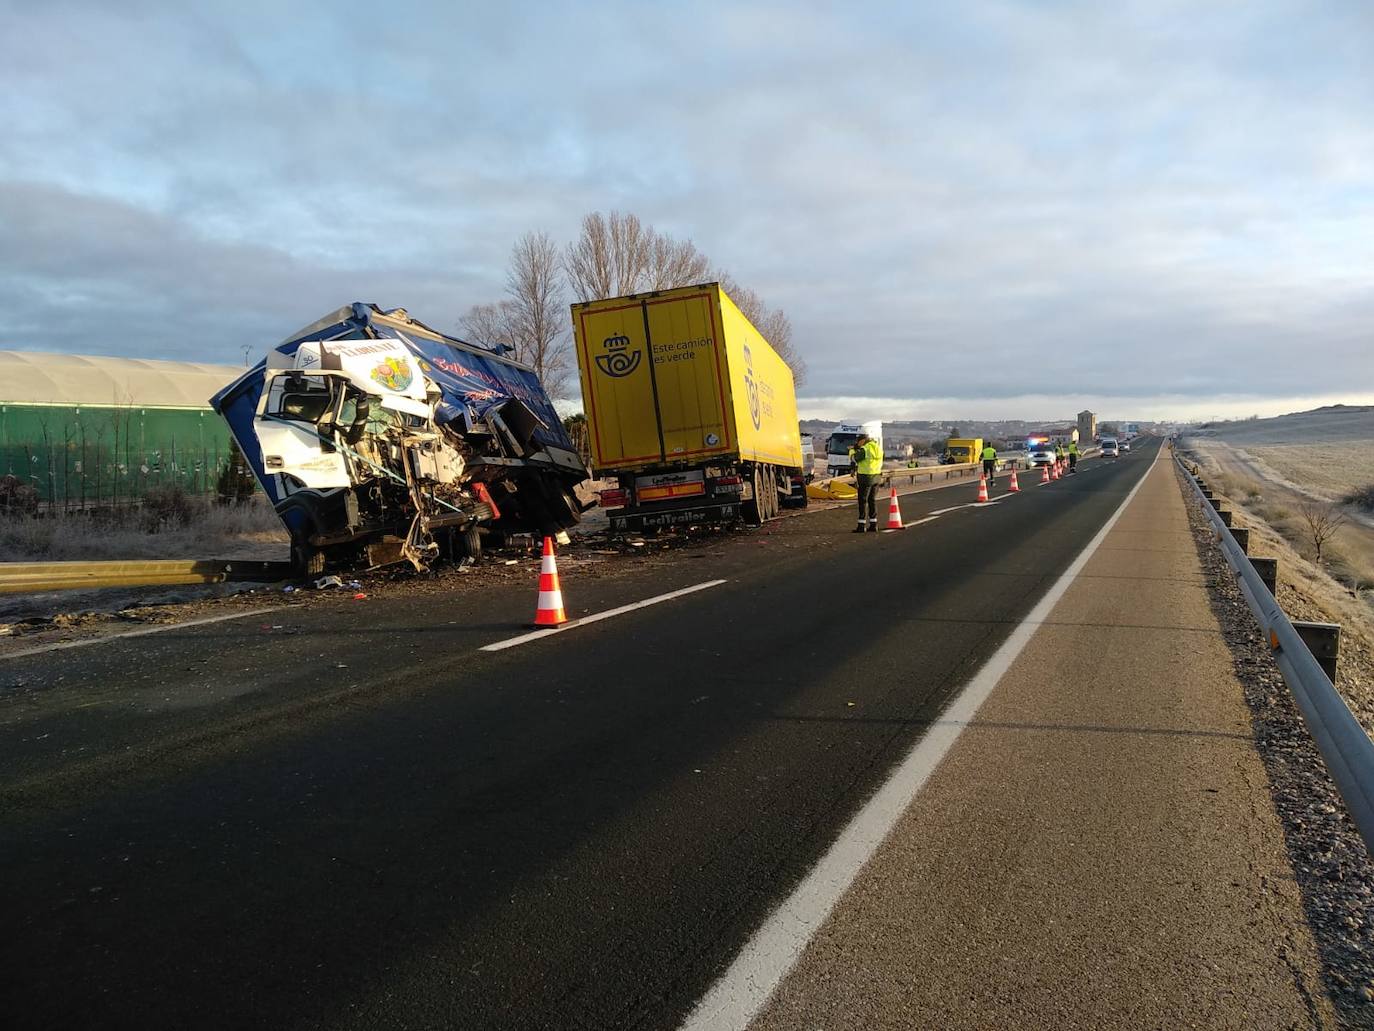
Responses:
[1329,469]
[250,531]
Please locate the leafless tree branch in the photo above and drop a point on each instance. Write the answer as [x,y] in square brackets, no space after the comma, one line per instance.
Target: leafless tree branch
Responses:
[1321,520]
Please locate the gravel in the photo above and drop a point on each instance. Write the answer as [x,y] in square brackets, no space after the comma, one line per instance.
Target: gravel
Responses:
[1333,868]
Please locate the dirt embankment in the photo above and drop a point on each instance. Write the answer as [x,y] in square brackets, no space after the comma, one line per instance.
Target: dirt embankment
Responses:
[1334,870]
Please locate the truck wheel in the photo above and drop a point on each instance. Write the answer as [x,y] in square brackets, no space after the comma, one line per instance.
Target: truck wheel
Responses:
[307,560]
[468,543]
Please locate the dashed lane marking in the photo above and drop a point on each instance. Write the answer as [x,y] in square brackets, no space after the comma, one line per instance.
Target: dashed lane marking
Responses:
[143,632]
[918,522]
[597,617]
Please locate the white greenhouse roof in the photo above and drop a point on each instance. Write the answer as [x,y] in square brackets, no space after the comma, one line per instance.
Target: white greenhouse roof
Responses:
[35,377]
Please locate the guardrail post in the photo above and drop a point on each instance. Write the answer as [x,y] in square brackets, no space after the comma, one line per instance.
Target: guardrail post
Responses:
[1226,516]
[1242,536]
[1268,570]
[1323,640]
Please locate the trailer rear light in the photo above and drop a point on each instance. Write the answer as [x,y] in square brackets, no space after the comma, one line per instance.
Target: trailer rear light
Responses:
[728,481]
[613,498]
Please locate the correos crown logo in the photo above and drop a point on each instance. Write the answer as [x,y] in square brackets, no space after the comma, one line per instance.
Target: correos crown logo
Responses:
[751,389]
[617,361]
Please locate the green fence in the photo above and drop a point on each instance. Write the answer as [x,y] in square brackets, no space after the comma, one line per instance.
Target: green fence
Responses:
[76,456]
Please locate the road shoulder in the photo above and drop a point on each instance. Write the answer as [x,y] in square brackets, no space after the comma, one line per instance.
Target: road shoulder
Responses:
[1099,848]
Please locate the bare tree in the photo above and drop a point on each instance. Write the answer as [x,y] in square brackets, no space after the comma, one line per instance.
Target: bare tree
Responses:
[772,323]
[609,258]
[538,315]
[491,325]
[674,263]
[1321,519]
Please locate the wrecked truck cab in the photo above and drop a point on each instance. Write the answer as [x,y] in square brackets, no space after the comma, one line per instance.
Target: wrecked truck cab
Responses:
[379,440]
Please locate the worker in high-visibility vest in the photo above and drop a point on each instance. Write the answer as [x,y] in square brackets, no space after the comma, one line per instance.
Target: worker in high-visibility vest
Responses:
[1073,456]
[989,457]
[867,458]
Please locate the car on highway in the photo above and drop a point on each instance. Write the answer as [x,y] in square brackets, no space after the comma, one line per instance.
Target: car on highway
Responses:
[1109,448]
[1039,452]
[1124,445]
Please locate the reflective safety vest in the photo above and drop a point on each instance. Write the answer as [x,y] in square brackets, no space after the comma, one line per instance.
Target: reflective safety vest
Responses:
[868,458]
[989,454]
[1073,449]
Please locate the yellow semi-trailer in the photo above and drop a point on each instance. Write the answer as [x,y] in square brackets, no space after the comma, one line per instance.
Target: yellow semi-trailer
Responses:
[689,410]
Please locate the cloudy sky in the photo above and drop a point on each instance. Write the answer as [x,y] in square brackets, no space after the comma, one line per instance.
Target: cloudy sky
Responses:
[974,209]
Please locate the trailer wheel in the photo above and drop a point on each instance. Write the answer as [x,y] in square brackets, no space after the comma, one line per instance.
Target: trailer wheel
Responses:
[755,511]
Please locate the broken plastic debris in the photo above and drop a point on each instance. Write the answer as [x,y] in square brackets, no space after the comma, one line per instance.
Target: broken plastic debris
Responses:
[327,581]
[288,589]
[359,596]
[512,561]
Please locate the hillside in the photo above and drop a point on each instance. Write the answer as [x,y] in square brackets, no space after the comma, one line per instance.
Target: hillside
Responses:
[1335,423]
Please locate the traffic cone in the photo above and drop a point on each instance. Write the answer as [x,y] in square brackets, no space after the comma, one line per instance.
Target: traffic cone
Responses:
[894,512]
[549,611]
[982,488]
[1056,474]
[1013,486]
[1044,474]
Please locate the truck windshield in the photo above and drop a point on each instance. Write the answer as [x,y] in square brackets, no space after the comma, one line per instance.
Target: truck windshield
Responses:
[840,443]
[959,451]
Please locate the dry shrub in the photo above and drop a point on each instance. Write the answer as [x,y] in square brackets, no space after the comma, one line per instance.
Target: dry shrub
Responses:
[248,531]
[165,507]
[1363,498]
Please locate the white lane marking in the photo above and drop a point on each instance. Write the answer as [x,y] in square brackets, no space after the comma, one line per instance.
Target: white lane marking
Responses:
[597,617]
[143,632]
[918,522]
[745,988]
[953,508]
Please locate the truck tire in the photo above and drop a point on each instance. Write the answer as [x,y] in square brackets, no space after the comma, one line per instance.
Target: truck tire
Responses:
[468,543]
[307,560]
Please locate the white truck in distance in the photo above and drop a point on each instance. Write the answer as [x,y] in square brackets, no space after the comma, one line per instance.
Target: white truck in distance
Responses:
[842,438]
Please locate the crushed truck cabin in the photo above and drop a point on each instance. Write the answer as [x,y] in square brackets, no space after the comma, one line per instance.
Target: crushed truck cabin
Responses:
[379,440]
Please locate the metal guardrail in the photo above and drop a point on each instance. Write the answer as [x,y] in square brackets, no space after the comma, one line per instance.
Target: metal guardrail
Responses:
[31,577]
[1342,741]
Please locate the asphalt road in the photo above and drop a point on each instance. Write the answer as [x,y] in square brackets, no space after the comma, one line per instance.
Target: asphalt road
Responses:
[350,816]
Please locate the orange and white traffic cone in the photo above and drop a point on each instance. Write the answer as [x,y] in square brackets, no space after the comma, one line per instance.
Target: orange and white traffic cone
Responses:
[894,512]
[982,488]
[549,611]
[1013,486]
[1044,474]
